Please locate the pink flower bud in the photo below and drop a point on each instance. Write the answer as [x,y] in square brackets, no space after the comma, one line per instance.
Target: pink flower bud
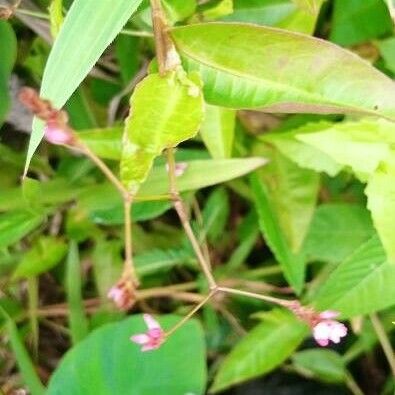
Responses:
[179,168]
[122,294]
[56,134]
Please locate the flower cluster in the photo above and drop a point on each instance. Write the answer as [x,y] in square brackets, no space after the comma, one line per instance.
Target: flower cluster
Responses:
[123,294]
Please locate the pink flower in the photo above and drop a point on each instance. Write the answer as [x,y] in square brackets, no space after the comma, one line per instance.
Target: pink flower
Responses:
[327,329]
[56,134]
[153,338]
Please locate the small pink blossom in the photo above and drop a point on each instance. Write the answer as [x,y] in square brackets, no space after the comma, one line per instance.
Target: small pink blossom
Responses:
[153,338]
[327,329]
[180,168]
[56,134]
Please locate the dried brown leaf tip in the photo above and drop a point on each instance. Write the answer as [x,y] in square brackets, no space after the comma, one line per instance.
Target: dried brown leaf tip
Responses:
[8,12]
[56,130]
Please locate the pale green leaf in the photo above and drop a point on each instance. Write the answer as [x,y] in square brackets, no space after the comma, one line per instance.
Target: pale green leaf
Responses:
[178,10]
[312,6]
[387,50]
[55,16]
[107,362]
[381,202]
[362,284]
[43,256]
[164,112]
[89,27]
[302,73]
[218,130]
[336,231]
[293,265]
[360,146]
[304,154]
[263,349]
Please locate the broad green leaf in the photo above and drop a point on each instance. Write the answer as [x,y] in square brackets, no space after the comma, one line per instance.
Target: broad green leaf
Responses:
[25,364]
[293,265]
[88,29]
[360,145]
[361,284]
[302,74]
[293,191]
[198,174]
[77,318]
[164,112]
[107,362]
[381,202]
[324,365]
[304,154]
[356,21]
[263,349]
[336,231]
[43,256]
[215,10]
[127,48]
[15,225]
[8,50]
[218,130]
[106,143]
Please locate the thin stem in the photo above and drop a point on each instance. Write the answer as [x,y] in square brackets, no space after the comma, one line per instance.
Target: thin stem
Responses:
[266,298]
[129,269]
[104,168]
[384,341]
[180,209]
[190,314]
[352,385]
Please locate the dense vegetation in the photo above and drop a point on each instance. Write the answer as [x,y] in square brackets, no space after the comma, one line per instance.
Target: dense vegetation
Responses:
[197,196]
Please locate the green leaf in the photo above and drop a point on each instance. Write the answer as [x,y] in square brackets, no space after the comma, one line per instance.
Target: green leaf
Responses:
[88,29]
[263,349]
[292,265]
[8,50]
[312,6]
[43,256]
[55,16]
[301,153]
[119,367]
[381,202]
[387,50]
[360,145]
[106,143]
[355,22]
[178,10]
[15,225]
[361,284]
[293,191]
[218,131]
[25,364]
[336,231]
[324,365]
[77,319]
[294,78]
[165,111]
